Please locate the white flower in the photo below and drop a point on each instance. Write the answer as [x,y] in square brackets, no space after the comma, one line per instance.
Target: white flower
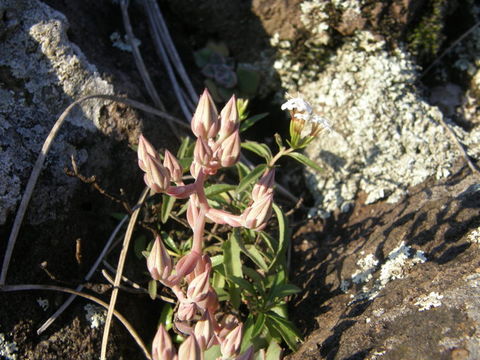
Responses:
[321,121]
[298,104]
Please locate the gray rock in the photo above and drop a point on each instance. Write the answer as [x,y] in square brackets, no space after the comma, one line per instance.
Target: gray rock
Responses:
[386,138]
[41,73]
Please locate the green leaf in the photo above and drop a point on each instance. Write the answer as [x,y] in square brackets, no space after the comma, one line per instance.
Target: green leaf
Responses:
[285,328]
[274,351]
[259,325]
[166,317]
[305,161]
[250,178]
[253,253]
[256,277]
[185,162]
[242,170]
[184,147]
[217,260]
[167,206]
[139,246]
[283,290]
[259,149]
[152,289]
[278,140]
[248,80]
[169,242]
[213,353]
[252,120]
[270,241]
[233,265]
[242,283]
[216,189]
[283,236]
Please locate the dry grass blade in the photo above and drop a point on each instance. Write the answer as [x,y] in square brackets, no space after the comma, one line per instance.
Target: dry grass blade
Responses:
[32,181]
[162,54]
[118,275]
[172,51]
[131,330]
[138,57]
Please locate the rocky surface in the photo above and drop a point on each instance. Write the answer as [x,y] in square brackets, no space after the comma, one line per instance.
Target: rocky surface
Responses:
[41,73]
[394,281]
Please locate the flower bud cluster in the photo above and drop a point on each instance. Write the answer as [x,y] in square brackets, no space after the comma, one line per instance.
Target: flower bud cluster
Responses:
[218,137]
[158,175]
[217,146]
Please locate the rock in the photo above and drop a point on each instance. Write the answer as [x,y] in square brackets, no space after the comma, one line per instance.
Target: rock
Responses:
[41,73]
[386,138]
[394,281]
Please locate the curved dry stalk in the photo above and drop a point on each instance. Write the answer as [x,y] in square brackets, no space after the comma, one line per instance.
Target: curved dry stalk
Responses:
[128,326]
[137,56]
[32,181]
[94,267]
[118,275]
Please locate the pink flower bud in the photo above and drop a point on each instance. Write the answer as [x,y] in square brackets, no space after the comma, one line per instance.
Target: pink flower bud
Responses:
[264,185]
[205,122]
[203,264]
[202,153]
[186,311]
[230,149]
[227,324]
[195,169]
[156,176]
[199,287]
[230,345]
[159,262]
[186,265]
[144,149]
[162,348]
[189,350]
[257,215]
[229,118]
[204,332]
[247,355]
[171,163]
[193,211]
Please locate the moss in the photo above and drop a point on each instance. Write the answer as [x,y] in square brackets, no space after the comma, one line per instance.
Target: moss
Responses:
[426,38]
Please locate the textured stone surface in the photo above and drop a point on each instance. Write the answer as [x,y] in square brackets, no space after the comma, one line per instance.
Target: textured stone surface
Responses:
[386,138]
[41,73]
[393,281]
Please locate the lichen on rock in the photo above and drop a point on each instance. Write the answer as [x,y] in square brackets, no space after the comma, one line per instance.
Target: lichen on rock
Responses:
[41,73]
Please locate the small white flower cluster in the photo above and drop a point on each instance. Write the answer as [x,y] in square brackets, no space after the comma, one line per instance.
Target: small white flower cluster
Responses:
[429,301]
[303,110]
[297,104]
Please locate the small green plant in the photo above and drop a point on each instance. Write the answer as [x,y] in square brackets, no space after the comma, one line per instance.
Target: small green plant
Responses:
[230,279]
[223,76]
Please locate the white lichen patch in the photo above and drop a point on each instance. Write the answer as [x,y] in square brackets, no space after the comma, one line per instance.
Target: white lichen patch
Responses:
[386,138]
[429,301]
[366,266]
[474,236]
[397,265]
[43,303]
[95,315]
[7,349]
